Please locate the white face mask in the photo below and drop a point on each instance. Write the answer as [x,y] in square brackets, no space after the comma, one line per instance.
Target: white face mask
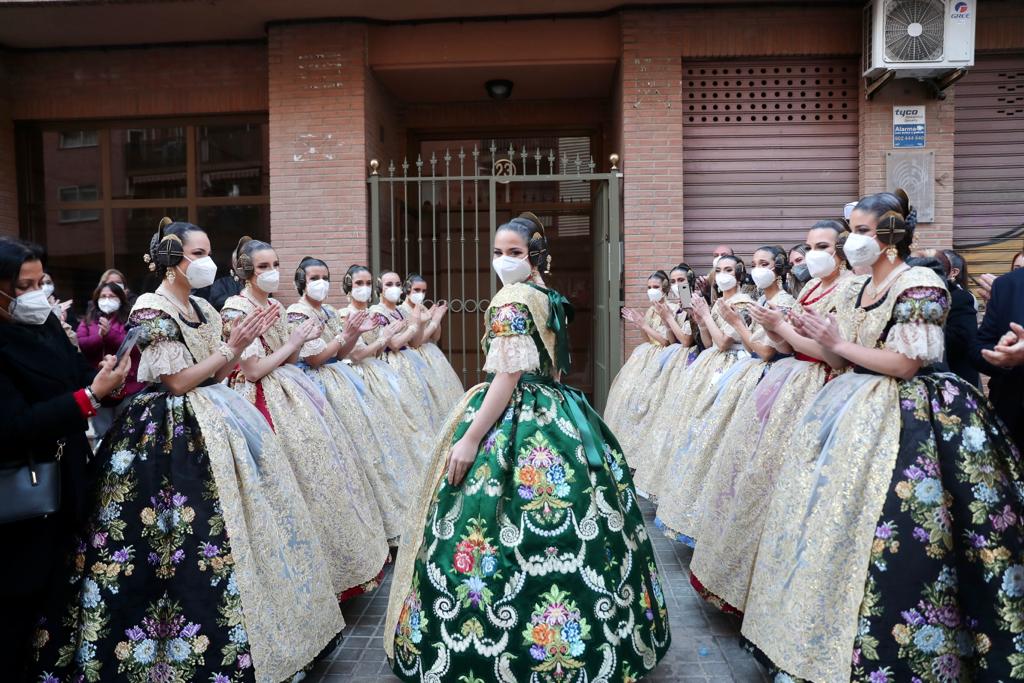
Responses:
[763,277]
[511,270]
[31,308]
[655,295]
[201,272]
[861,250]
[362,294]
[48,290]
[109,306]
[417,298]
[820,263]
[393,294]
[317,289]
[269,281]
[725,281]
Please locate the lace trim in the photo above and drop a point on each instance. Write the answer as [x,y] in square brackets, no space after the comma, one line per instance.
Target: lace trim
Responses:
[163,358]
[917,341]
[512,354]
[313,348]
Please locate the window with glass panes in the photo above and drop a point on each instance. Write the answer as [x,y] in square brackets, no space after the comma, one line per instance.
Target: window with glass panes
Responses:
[93,195]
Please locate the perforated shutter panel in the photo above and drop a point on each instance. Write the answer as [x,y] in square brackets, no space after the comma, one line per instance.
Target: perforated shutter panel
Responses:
[769,147]
[988,196]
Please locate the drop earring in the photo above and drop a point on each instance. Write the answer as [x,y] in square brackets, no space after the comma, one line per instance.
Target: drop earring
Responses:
[170,276]
[547,268]
[890,253]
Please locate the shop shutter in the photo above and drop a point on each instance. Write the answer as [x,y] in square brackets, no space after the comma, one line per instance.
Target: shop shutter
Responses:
[988,195]
[769,147]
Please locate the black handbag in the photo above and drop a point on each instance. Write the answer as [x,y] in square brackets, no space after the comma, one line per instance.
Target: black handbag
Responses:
[30,490]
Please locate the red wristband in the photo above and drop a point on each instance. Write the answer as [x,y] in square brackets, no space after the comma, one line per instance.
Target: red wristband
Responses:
[84,404]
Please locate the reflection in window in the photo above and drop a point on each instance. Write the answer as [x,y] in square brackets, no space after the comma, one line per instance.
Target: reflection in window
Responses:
[78,193]
[73,139]
[92,198]
[148,163]
[231,162]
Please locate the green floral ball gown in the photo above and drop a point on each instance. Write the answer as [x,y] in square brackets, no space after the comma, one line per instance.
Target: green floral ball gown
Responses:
[538,566]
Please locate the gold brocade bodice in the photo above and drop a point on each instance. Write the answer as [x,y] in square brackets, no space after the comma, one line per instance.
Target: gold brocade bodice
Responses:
[868,326]
[236,308]
[203,339]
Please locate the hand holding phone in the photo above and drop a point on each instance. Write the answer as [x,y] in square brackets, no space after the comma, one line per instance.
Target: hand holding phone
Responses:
[130,341]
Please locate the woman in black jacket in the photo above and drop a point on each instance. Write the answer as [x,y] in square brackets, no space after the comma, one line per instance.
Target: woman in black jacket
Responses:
[47,392]
[962,323]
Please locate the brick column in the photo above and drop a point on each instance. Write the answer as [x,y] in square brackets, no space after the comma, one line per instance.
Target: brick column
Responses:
[876,140]
[8,171]
[318,196]
[652,151]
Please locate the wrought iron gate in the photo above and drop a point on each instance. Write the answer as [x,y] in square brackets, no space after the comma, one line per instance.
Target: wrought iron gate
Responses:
[438,218]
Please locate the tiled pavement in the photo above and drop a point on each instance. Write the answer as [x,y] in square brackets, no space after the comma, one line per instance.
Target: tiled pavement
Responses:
[705,642]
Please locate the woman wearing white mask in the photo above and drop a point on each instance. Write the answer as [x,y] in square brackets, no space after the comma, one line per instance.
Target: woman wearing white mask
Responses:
[691,384]
[894,548]
[445,383]
[695,456]
[411,367]
[47,392]
[629,397]
[526,557]
[404,413]
[326,465]
[100,334]
[391,467]
[198,558]
[735,498]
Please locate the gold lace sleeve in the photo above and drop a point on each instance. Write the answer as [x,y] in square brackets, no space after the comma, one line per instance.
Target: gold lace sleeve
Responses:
[512,354]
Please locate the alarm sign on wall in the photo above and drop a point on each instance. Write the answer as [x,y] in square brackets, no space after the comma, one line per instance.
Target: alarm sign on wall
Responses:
[908,126]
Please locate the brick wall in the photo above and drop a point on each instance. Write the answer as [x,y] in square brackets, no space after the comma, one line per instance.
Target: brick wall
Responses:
[119,83]
[8,173]
[876,139]
[652,151]
[317,91]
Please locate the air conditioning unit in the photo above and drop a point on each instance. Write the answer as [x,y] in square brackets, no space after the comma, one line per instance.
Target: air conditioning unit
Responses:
[918,38]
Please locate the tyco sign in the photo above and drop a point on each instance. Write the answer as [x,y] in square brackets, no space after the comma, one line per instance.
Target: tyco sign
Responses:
[907,126]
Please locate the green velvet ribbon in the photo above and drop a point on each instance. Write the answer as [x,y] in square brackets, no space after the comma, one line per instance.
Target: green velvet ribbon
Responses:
[561,315]
[582,414]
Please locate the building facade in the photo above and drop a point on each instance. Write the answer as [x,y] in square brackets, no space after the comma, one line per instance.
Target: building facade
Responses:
[736,123]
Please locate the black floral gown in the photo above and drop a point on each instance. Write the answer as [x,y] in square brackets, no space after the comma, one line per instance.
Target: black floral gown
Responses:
[894,546]
[196,564]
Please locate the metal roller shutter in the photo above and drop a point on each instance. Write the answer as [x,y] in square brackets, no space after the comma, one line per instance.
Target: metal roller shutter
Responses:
[769,147]
[988,187]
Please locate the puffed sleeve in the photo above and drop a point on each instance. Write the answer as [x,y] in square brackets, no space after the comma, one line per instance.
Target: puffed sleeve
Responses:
[231,317]
[510,340]
[918,316]
[162,350]
[310,348]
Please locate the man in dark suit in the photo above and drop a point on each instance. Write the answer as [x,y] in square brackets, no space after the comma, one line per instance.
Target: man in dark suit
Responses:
[1006,386]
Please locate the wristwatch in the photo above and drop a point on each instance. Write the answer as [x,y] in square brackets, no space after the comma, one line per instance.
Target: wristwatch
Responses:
[95,402]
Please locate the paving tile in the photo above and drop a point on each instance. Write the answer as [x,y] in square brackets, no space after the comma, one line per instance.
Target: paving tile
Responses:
[705,642]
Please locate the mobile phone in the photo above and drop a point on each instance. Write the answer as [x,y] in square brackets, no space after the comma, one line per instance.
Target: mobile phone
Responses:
[685,297]
[130,341]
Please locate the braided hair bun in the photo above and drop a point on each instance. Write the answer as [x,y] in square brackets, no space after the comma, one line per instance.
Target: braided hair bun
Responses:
[167,246]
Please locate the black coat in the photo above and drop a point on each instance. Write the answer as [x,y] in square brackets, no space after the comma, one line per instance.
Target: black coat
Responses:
[39,372]
[961,334]
[1006,386]
[222,289]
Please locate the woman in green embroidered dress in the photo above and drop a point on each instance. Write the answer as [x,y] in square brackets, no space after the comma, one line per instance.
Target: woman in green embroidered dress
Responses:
[527,558]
